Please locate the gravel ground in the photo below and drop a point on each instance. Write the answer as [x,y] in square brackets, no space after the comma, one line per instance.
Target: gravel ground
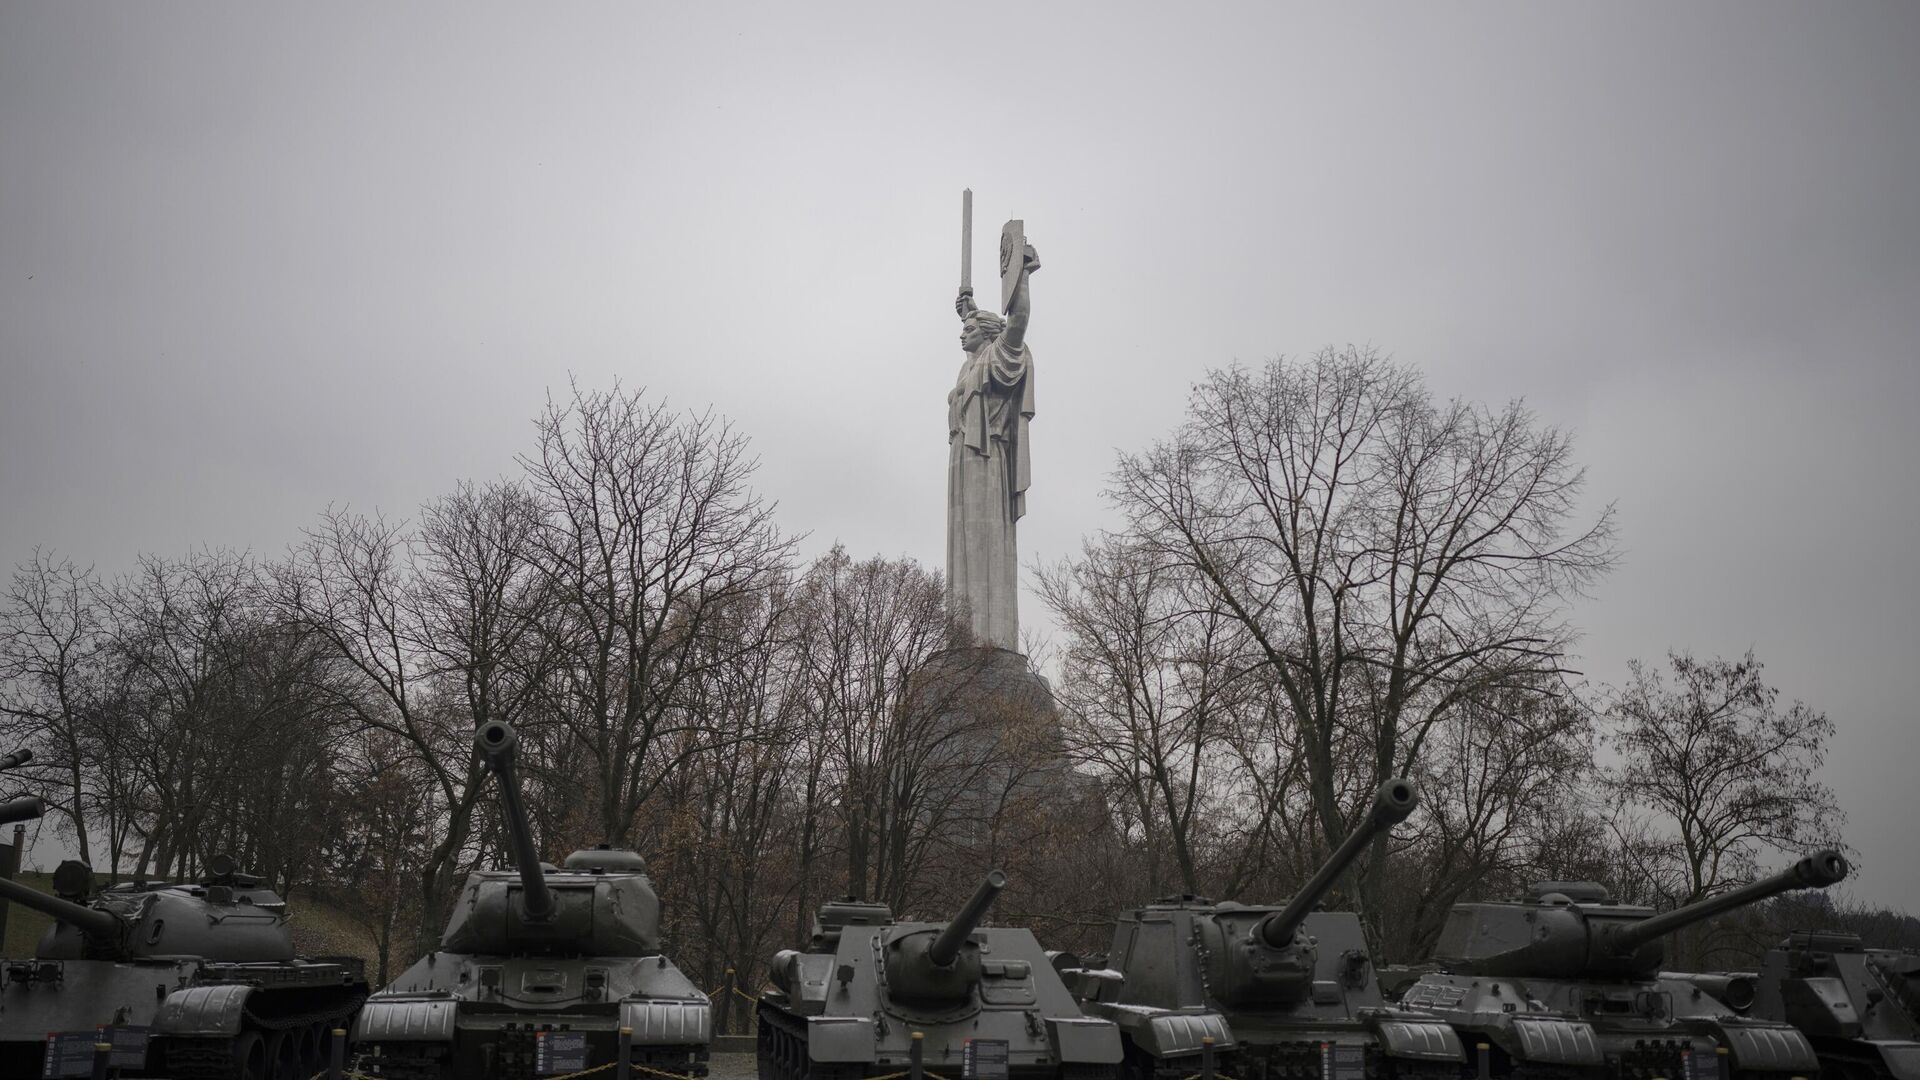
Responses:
[730,1067]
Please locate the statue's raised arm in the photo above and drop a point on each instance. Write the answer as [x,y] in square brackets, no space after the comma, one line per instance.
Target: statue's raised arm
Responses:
[1020,308]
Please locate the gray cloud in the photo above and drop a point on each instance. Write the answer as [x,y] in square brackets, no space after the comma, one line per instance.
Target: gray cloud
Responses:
[255,262]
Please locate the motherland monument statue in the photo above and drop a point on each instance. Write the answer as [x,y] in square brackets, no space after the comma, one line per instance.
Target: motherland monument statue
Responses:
[989,464]
[994,721]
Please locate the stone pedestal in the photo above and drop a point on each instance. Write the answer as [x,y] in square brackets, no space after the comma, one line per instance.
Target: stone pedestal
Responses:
[998,730]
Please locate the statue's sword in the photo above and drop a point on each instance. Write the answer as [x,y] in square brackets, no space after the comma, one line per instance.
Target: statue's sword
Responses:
[966,239]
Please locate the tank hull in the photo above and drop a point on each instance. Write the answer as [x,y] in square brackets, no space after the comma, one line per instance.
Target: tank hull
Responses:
[198,1019]
[1859,1007]
[454,1015]
[1626,1029]
[836,1020]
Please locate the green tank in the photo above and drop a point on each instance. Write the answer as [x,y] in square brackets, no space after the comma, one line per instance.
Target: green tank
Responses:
[1567,982]
[850,1004]
[190,981]
[538,970]
[1282,991]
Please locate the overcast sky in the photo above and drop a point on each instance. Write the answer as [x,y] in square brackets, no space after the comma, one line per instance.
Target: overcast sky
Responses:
[254,262]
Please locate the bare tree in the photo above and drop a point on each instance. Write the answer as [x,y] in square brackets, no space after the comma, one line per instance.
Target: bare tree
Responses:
[1726,771]
[726,820]
[648,532]
[181,626]
[51,636]
[438,633]
[1389,556]
[913,738]
[1151,685]
[1495,783]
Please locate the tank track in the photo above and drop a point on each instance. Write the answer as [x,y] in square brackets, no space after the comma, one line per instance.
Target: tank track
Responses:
[1286,1061]
[780,1053]
[435,1061]
[213,1058]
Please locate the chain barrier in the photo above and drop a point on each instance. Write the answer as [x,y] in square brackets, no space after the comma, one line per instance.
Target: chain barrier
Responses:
[649,1070]
[349,1074]
[595,1069]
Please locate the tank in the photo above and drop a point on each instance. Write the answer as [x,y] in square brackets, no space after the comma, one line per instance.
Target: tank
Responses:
[538,970]
[1566,981]
[1859,1007]
[1283,991]
[192,981]
[852,1002]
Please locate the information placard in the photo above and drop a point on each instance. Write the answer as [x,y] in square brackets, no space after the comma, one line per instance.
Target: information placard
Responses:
[1343,1062]
[559,1052]
[1703,1065]
[69,1053]
[129,1046]
[984,1059]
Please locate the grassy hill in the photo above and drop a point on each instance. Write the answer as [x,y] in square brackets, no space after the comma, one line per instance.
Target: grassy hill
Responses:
[319,928]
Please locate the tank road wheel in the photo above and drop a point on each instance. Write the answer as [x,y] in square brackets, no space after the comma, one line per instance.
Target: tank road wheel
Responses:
[765,1038]
[249,1055]
[313,1047]
[283,1055]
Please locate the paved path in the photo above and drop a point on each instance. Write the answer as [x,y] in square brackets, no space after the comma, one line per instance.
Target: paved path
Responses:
[730,1067]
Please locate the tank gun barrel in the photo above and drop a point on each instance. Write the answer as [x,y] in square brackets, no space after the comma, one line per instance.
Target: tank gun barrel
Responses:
[22,809]
[947,946]
[497,743]
[1396,799]
[95,924]
[1816,871]
[15,759]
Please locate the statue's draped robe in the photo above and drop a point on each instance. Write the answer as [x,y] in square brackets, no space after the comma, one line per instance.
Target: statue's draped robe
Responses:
[987,473]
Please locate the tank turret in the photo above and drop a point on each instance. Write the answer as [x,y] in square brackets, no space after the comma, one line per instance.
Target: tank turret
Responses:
[599,903]
[1271,986]
[1258,956]
[939,963]
[227,917]
[1395,800]
[1568,930]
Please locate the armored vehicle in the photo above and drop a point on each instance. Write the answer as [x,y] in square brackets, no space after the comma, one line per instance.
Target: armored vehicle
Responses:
[195,982]
[539,969]
[868,990]
[1569,983]
[1283,991]
[1859,1007]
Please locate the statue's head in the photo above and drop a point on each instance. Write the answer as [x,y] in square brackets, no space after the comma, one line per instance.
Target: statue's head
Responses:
[979,329]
